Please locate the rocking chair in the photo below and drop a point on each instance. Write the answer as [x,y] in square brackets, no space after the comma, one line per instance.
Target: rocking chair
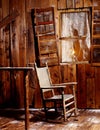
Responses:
[67,101]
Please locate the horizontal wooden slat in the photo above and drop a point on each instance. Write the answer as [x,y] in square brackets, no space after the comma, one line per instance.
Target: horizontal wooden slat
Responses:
[71,110]
[69,104]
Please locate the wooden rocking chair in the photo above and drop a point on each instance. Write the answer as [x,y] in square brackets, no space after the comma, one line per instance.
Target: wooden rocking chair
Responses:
[67,101]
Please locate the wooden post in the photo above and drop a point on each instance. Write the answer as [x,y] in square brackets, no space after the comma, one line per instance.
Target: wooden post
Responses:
[26,81]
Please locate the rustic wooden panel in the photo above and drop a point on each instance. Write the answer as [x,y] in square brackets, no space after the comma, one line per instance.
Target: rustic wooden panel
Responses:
[88,3]
[1,56]
[64,73]
[8,19]
[30,40]
[37,100]
[79,3]
[18,47]
[90,92]
[0,14]
[90,84]
[5,92]
[88,77]
[40,4]
[34,4]
[72,72]
[81,89]
[5,7]
[4,56]
[70,4]
[68,73]
[0,3]
[7,63]
[53,3]
[97,87]
[55,74]
[61,4]
[22,52]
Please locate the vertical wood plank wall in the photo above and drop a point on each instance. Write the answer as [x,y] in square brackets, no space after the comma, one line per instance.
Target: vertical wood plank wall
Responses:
[4,55]
[16,51]
[22,52]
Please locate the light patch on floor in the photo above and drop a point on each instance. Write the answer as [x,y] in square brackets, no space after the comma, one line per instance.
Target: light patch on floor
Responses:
[95,110]
[72,124]
[94,120]
[14,122]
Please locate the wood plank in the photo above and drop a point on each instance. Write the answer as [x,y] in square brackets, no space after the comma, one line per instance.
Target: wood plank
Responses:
[61,4]
[53,3]
[90,84]
[90,93]
[88,119]
[70,4]
[30,41]
[0,14]
[34,4]
[87,3]
[55,74]
[81,89]
[18,46]
[5,8]
[97,87]
[0,3]
[64,73]
[79,3]
[9,19]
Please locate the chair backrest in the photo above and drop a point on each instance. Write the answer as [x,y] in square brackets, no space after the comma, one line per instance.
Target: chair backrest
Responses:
[43,77]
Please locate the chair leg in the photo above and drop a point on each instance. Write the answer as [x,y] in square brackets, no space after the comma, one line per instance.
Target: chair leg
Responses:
[46,114]
[55,106]
[45,110]
[75,112]
[64,115]
[64,112]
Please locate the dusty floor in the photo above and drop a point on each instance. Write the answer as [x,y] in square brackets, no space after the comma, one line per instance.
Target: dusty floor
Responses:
[14,120]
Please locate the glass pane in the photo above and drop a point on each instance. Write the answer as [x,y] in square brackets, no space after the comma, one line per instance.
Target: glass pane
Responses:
[75,36]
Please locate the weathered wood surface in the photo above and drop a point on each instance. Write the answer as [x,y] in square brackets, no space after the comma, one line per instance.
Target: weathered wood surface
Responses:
[14,120]
[18,51]
[65,4]
[8,19]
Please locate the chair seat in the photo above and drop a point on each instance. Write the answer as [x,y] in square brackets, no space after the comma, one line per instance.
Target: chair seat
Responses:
[59,97]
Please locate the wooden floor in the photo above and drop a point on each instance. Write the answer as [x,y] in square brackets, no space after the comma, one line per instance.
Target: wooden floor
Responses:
[14,120]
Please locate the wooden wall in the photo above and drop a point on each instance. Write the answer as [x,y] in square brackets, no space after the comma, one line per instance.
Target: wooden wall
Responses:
[4,54]
[17,49]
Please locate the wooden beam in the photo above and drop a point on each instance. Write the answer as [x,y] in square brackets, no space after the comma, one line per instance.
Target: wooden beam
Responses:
[9,19]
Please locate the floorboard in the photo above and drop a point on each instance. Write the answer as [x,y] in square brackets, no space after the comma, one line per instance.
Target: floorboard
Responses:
[88,119]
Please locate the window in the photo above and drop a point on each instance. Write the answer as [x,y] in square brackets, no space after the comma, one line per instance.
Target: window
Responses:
[74,36]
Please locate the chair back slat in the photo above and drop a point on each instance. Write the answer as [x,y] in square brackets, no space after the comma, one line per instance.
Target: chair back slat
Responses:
[43,77]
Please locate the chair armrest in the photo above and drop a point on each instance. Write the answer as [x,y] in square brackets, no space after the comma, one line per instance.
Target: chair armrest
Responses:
[53,87]
[68,83]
